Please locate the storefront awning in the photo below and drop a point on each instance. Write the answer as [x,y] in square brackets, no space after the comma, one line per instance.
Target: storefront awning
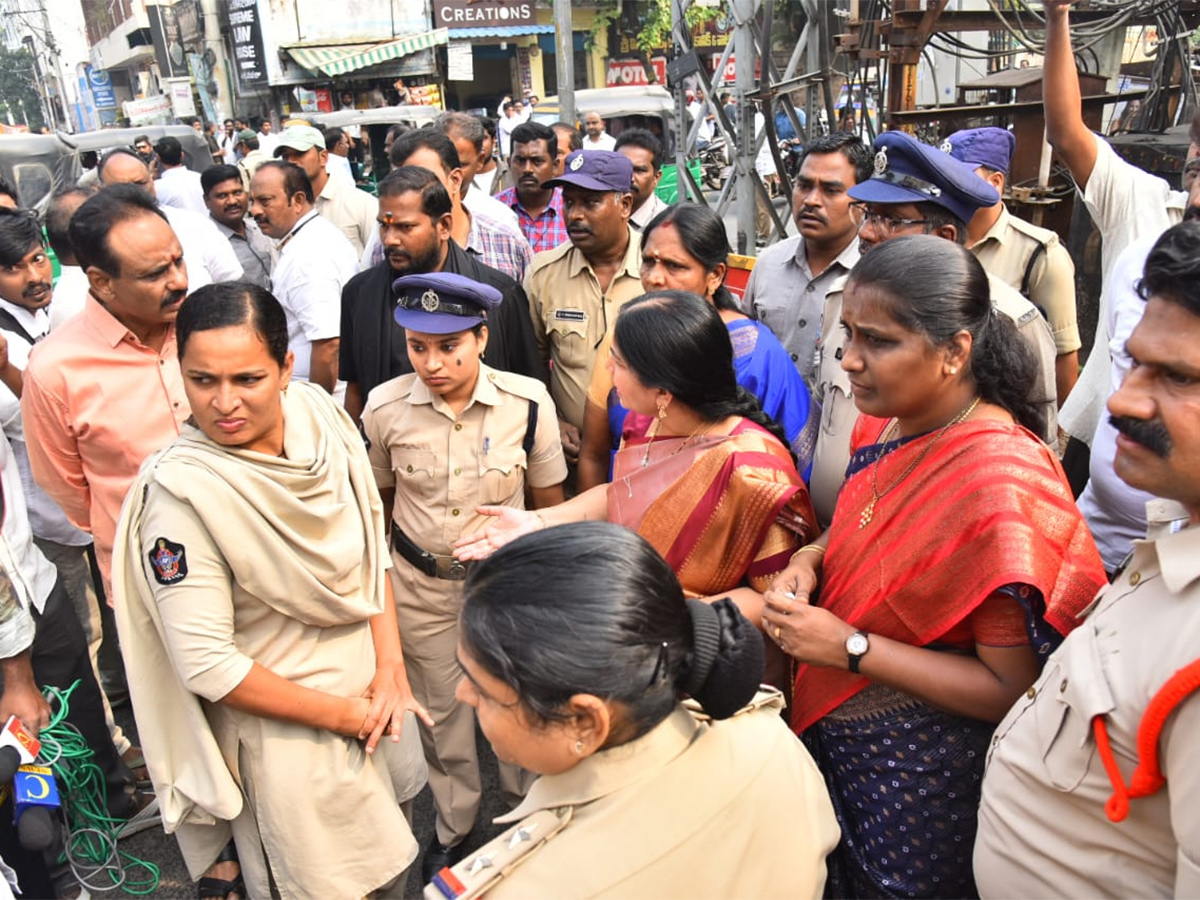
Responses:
[343,58]
[500,31]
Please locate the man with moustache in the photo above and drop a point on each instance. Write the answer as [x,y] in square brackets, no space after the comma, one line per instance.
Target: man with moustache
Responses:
[537,203]
[645,151]
[415,219]
[577,289]
[210,258]
[104,391]
[314,262]
[228,206]
[789,281]
[1091,785]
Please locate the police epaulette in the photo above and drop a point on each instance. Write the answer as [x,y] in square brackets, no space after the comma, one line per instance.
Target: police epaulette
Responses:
[494,860]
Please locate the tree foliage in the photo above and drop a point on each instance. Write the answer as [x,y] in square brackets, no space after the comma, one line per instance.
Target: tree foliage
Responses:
[18,88]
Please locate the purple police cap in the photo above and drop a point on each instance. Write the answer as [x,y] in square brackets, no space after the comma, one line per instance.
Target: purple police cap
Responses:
[991,147]
[907,171]
[596,170]
[442,302]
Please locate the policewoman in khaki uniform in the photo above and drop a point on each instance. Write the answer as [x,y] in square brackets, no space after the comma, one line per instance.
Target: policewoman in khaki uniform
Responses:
[452,436]
[577,648]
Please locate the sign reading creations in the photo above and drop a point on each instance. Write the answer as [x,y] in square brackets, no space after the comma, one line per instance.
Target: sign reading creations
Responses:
[474,13]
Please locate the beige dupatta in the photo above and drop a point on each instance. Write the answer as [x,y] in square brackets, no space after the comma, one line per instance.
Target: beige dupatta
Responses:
[289,538]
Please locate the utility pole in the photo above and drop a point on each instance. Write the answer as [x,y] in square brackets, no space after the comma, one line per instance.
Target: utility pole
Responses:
[564,57]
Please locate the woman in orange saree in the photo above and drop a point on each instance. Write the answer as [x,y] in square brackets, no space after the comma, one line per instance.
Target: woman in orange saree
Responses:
[955,563]
[702,474]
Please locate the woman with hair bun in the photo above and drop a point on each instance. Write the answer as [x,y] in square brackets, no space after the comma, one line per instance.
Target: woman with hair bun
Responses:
[577,648]
[955,563]
[706,478]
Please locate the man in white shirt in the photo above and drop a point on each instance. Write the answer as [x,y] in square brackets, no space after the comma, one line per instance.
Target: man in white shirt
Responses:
[337,199]
[71,289]
[227,142]
[595,137]
[337,142]
[178,185]
[267,139]
[209,256]
[315,260]
[645,151]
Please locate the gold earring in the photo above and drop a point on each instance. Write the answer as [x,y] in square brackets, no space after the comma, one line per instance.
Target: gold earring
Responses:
[579,747]
[662,411]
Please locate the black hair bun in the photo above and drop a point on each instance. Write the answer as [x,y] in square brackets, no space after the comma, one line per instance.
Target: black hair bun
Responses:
[727,660]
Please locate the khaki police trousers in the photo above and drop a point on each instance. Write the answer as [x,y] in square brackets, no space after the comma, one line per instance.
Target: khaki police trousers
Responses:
[427,612]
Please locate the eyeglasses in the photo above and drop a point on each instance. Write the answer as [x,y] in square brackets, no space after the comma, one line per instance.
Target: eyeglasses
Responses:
[883,223]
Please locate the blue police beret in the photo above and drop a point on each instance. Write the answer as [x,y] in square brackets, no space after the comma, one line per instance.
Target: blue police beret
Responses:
[907,171]
[442,302]
[596,170]
[991,147]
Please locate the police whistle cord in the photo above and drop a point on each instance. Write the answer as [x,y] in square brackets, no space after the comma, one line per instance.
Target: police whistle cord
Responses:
[91,847]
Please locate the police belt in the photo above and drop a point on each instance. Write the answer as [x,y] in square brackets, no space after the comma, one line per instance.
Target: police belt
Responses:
[435,566]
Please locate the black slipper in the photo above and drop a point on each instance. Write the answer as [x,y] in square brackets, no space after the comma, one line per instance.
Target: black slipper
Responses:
[219,888]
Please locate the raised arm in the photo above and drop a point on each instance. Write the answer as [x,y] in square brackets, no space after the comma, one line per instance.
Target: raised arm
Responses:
[1065,128]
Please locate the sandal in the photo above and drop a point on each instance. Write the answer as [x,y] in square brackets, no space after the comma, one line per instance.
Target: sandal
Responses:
[209,888]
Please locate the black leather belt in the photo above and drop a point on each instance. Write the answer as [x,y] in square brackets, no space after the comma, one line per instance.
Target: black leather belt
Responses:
[445,567]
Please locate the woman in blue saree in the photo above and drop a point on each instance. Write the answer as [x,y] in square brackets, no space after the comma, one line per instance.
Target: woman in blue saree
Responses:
[685,248]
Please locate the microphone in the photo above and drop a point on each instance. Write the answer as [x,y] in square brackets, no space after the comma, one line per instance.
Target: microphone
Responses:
[36,800]
[10,761]
[15,735]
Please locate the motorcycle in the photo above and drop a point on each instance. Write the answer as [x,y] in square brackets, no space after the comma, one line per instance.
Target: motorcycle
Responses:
[714,164]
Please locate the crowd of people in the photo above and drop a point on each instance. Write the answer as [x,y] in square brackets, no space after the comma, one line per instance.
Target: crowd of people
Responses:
[846,586]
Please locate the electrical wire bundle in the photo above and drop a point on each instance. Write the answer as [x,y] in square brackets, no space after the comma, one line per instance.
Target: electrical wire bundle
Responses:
[91,847]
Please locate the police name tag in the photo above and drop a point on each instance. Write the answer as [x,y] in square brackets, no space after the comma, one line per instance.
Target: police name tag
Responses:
[570,315]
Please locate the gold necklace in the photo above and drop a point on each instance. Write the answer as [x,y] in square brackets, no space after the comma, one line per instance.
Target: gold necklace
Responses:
[679,449]
[876,495]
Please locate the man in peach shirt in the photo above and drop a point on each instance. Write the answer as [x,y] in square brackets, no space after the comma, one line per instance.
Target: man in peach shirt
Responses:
[104,391]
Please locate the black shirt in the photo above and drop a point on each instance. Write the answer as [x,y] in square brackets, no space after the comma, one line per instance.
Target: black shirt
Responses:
[373,349]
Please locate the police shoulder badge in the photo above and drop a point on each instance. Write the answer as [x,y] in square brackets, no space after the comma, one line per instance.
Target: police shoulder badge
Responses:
[881,161]
[169,561]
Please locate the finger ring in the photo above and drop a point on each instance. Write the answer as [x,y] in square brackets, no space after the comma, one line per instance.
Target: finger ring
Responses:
[778,631]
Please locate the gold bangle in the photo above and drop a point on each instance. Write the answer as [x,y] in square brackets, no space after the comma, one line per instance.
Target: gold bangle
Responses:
[807,548]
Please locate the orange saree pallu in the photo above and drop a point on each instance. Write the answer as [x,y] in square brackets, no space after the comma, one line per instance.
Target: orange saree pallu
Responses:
[720,510]
[987,507]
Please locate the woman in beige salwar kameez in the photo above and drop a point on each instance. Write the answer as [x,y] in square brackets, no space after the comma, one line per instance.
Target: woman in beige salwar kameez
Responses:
[257,624]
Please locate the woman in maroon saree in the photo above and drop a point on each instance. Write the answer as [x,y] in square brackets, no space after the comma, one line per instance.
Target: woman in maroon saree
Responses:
[955,563]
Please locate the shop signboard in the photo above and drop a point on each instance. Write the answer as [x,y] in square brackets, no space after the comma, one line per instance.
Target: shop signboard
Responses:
[150,111]
[102,88]
[460,61]
[623,72]
[248,55]
[473,14]
[168,41]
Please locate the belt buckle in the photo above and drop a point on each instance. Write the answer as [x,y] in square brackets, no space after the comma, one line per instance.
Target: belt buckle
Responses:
[451,569]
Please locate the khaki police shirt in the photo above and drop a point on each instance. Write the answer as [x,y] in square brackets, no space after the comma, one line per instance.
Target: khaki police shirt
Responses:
[1043,831]
[571,315]
[694,809]
[1005,251]
[838,411]
[444,465]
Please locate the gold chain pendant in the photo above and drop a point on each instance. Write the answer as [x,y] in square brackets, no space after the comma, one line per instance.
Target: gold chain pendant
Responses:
[867,514]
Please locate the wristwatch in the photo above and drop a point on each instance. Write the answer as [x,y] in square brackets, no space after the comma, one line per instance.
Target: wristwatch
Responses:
[857,646]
